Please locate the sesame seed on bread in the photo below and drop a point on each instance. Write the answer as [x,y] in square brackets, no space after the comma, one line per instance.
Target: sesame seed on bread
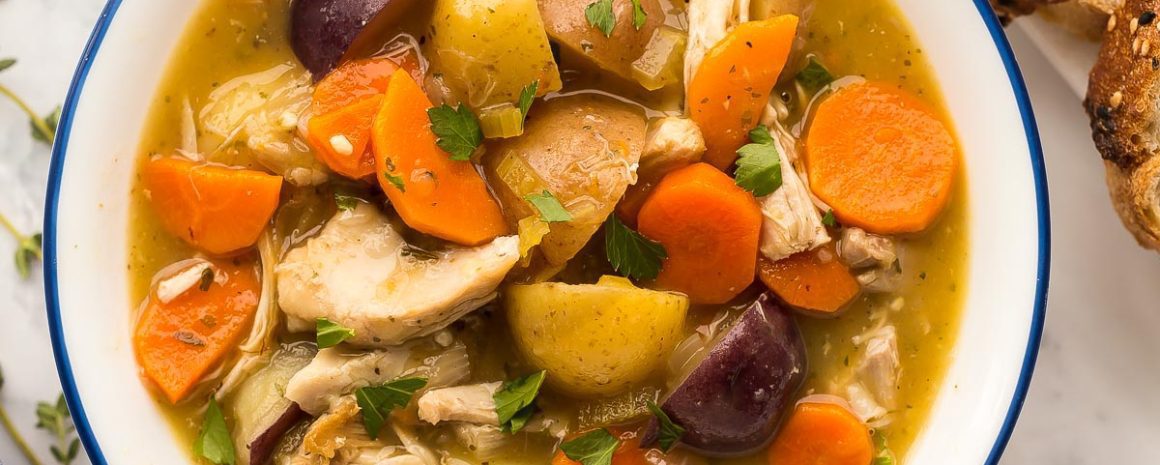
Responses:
[1123,102]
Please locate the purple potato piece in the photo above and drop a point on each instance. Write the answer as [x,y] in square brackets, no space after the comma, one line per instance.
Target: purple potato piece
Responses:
[321,31]
[732,402]
[263,446]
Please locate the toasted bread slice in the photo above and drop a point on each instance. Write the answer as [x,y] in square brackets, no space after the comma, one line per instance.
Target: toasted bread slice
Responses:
[1123,102]
[1086,18]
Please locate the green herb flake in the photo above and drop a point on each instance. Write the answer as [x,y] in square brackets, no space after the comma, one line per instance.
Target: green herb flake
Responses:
[28,251]
[347,203]
[396,181]
[527,96]
[329,334]
[551,211]
[50,121]
[376,402]
[593,448]
[601,16]
[814,76]
[515,402]
[639,16]
[668,433]
[457,130]
[630,253]
[758,164]
[829,220]
[214,442]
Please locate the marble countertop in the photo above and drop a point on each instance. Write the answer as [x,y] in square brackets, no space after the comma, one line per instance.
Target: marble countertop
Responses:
[1091,401]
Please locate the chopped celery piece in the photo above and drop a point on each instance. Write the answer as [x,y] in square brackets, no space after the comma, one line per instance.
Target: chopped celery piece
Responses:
[532,232]
[501,121]
[663,59]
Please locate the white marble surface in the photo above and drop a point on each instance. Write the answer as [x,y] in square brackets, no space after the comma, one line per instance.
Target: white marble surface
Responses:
[1093,397]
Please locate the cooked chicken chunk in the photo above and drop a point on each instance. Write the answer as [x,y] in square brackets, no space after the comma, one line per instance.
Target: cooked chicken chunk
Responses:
[879,366]
[670,143]
[859,249]
[338,437]
[485,441]
[471,404]
[792,223]
[334,373]
[359,272]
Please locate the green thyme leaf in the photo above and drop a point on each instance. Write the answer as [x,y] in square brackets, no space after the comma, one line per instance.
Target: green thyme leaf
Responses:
[214,442]
[551,211]
[814,76]
[527,96]
[758,164]
[50,121]
[28,252]
[639,16]
[55,419]
[329,334]
[630,253]
[515,402]
[6,63]
[593,448]
[378,401]
[457,130]
[668,433]
[600,16]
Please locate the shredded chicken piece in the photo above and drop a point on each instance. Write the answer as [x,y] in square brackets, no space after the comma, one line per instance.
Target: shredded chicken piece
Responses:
[859,249]
[186,275]
[485,441]
[471,404]
[360,273]
[792,224]
[259,344]
[339,438]
[671,143]
[879,366]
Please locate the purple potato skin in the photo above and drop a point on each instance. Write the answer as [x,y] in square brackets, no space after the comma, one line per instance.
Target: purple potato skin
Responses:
[732,403]
[263,446]
[322,30]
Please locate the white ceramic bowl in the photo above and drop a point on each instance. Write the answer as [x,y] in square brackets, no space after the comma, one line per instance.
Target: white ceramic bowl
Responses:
[88,198]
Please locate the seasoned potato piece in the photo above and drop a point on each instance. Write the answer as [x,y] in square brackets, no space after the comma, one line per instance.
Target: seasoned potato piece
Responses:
[595,339]
[485,51]
[568,25]
[583,149]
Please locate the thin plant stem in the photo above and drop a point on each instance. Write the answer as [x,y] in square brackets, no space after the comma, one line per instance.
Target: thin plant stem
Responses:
[18,438]
[37,121]
[12,229]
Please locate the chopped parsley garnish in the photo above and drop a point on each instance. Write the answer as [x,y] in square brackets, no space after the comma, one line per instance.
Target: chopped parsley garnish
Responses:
[601,16]
[396,181]
[758,164]
[346,202]
[329,334]
[630,253]
[376,402]
[527,96]
[551,211]
[457,130]
[829,220]
[639,16]
[214,442]
[814,76]
[668,433]
[593,448]
[515,402]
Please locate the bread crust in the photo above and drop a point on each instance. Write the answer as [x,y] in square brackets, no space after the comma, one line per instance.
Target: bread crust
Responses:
[1123,103]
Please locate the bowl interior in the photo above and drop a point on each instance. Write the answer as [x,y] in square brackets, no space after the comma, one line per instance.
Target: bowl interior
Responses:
[87,216]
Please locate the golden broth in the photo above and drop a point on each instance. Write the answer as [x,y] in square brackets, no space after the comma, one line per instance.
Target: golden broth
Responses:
[866,38]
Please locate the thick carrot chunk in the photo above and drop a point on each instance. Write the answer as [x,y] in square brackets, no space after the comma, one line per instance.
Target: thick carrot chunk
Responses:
[433,194]
[217,209]
[341,138]
[822,434]
[178,342]
[710,229]
[813,281]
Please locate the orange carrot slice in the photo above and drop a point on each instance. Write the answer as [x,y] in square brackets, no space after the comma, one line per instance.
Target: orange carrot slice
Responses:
[432,193]
[217,209]
[822,434]
[710,229]
[358,80]
[813,281]
[178,342]
[731,87]
[341,138]
[881,158]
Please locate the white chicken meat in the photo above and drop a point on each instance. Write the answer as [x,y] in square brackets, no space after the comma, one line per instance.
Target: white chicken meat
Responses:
[791,222]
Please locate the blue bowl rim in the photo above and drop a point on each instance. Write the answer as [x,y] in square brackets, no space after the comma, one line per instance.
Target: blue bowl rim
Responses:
[56,170]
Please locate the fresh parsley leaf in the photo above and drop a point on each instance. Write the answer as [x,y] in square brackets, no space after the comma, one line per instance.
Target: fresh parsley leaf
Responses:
[396,181]
[668,433]
[527,96]
[639,16]
[593,448]
[50,121]
[457,130]
[376,402]
[6,63]
[551,211]
[346,202]
[814,76]
[329,334]
[829,220]
[630,253]
[207,279]
[28,252]
[600,16]
[758,164]
[214,442]
[515,402]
